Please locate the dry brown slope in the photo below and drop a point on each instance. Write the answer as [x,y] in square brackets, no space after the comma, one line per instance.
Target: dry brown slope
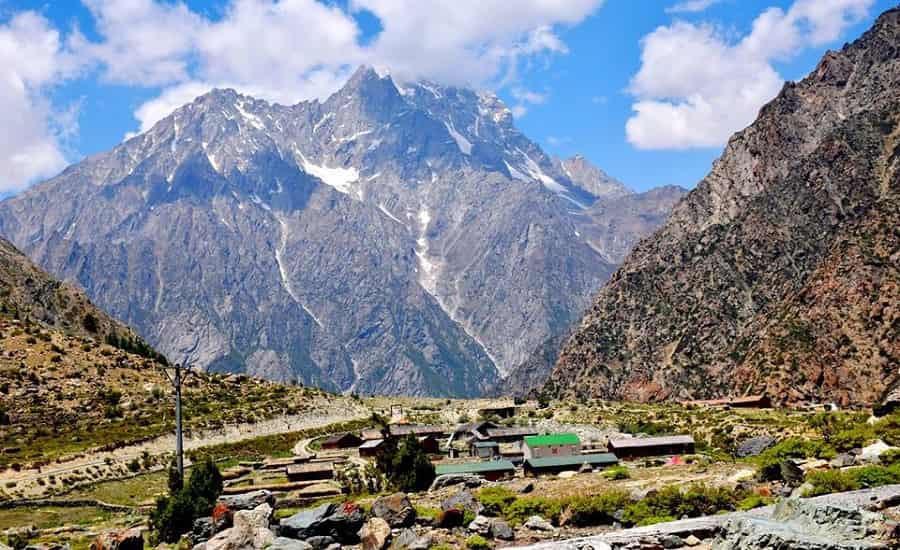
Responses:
[799,200]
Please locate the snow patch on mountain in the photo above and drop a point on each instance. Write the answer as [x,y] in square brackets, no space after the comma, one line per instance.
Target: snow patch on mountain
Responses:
[341,179]
[464,145]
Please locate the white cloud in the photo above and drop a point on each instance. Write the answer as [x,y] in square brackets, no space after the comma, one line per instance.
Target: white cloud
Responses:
[695,87]
[32,58]
[468,41]
[524,98]
[691,6]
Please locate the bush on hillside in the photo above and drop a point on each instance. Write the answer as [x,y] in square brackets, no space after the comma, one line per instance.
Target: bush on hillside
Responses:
[175,514]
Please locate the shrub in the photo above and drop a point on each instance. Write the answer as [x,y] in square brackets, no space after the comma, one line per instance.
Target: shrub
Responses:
[174,515]
[671,502]
[524,508]
[753,501]
[89,322]
[876,476]
[596,510]
[476,542]
[829,481]
[496,500]
[134,465]
[405,464]
[890,457]
[616,473]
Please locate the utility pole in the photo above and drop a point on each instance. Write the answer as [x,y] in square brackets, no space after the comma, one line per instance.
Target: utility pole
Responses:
[176,381]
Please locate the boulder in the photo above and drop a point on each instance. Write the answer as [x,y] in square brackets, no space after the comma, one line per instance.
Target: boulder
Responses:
[448,519]
[407,539]
[692,540]
[568,474]
[481,525]
[754,446]
[250,531]
[791,473]
[527,488]
[463,500]
[129,539]
[843,460]
[501,530]
[395,509]
[340,522]
[537,523]
[447,480]
[307,523]
[872,453]
[375,534]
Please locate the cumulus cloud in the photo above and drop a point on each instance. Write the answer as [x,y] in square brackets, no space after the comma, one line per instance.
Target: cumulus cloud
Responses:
[32,58]
[695,87]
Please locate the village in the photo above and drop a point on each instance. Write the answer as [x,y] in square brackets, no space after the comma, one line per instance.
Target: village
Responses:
[500,474]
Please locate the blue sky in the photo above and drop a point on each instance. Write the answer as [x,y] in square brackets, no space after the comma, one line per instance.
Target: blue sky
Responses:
[648,90]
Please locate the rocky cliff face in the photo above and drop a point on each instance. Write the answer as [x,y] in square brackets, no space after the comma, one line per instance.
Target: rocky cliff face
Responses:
[396,238]
[779,272]
[29,294]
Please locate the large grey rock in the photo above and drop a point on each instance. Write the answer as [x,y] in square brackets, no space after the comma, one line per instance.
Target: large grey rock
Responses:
[462,500]
[388,239]
[339,522]
[396,509]
[537,523]
[481,525]
[754,446]
[501,530]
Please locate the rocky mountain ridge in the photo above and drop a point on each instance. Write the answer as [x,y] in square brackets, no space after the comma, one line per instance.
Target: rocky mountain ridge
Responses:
[779,272]
[395,238]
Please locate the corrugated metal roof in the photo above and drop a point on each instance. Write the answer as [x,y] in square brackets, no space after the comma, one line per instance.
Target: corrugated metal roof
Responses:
[598,459]
[371,444]
[552,440]
[485,444]
[309,468]
[414,429]
[474,467]
[511,432]
[651,441]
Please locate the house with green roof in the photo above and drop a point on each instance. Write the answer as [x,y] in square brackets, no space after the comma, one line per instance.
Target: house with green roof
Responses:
[550,445]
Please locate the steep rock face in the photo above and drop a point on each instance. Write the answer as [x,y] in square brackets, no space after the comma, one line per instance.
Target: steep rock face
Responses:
[396,238]
[779,272]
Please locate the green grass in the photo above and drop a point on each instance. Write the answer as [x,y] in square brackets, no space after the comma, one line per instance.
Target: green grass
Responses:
[133,491]
[48,517]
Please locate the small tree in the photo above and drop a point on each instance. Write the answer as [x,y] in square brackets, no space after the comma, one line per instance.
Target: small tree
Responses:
[175,514]
[405,463]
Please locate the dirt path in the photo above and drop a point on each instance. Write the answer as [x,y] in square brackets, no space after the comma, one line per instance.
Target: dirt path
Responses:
[109,465]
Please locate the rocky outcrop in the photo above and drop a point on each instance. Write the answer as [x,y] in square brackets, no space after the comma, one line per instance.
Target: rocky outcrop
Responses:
[250,532]
[780,272]
[806,525]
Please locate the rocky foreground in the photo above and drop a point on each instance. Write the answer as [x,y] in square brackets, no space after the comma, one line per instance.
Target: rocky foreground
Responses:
[858,519]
